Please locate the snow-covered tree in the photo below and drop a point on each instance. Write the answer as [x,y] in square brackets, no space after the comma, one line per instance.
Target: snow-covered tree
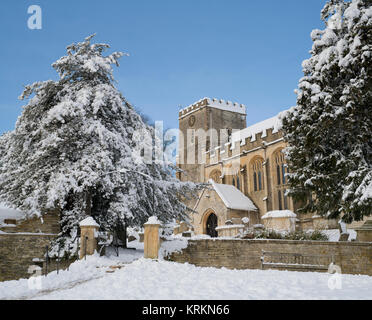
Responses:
[330,129]
[4,138]
[79,145]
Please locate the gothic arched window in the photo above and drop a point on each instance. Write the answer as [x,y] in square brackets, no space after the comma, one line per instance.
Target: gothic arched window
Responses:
[281,168]
[257,172]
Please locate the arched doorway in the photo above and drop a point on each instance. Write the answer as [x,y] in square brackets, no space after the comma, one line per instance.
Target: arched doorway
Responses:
[211,225]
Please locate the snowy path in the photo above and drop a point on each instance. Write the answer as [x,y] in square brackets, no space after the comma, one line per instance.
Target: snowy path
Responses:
[151,280]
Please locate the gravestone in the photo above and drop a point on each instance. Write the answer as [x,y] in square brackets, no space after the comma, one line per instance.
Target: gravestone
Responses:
[344,235]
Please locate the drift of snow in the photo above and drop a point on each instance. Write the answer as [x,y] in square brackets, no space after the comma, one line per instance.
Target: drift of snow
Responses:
[334,234]
[174,244]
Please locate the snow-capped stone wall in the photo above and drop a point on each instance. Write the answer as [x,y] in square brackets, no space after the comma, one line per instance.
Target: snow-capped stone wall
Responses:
[353,257]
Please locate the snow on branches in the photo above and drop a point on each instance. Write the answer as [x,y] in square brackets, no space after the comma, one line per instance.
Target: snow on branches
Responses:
[329,131]
[77,146]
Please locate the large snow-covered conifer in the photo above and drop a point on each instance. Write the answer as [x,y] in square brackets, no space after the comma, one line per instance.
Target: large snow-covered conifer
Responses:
[330,130]
[79,146]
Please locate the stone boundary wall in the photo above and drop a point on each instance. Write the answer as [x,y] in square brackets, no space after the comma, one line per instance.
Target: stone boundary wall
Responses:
[352,257]
[48,224]
[17,251]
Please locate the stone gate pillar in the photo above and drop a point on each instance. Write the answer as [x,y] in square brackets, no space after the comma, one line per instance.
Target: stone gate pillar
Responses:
[88,237]
[151,238]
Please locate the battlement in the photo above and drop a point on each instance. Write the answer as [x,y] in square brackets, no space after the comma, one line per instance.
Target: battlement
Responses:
[213,103]
[238,148]
[255,137]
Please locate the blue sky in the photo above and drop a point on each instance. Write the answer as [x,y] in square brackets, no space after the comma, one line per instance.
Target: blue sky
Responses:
[180,50]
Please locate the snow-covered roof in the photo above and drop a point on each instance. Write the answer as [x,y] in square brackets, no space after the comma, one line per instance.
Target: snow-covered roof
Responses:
[274,123]
[232,197]
[6,213]
[215,103]
[89,222]
[279,214]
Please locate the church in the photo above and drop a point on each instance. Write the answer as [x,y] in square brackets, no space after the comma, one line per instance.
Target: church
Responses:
[245,168]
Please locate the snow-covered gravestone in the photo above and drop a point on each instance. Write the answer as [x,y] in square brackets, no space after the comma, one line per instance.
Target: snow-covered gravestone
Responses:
[88,237]
[344,235]
[151,238]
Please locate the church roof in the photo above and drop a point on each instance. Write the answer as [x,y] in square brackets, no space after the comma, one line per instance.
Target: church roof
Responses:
[274,123]
[232,197]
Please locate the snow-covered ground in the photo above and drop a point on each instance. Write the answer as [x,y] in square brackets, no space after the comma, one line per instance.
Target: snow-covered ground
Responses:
[6,213]
[334,234]
[90,269]
[139,278]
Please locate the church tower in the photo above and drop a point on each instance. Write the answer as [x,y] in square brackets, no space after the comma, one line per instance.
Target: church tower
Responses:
[205,125]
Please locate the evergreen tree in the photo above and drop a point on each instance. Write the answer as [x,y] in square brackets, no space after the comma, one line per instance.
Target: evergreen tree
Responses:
[78,146]
[330,130]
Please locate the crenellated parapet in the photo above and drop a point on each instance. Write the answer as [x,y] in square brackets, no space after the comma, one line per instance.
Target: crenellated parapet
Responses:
[213,103]
[245,141]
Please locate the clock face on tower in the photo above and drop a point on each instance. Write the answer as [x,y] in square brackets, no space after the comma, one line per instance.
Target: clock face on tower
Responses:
[191,120]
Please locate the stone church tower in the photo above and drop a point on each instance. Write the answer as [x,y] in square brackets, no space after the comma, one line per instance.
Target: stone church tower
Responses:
[204,125]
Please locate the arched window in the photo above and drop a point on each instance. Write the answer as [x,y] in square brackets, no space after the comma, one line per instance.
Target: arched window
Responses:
[257,172]
[281,168]
[238,182]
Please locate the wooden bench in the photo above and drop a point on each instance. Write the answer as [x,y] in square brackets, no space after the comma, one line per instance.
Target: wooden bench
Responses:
[295,261]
